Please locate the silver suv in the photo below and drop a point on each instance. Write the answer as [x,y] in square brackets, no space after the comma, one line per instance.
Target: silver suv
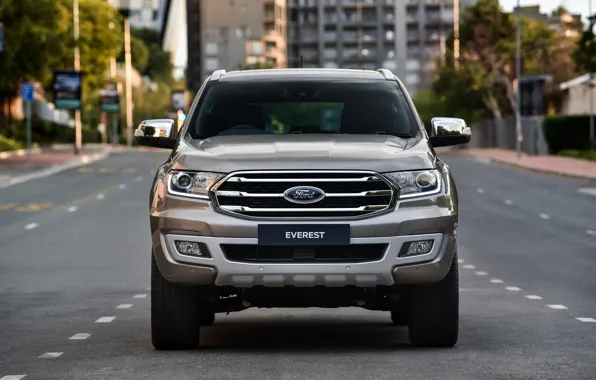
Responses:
[303,188]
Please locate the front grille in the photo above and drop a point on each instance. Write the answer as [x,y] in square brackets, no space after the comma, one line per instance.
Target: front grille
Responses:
[261,194]
[355,253]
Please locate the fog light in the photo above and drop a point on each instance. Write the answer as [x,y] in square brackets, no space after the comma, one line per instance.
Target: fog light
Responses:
[414,248]
[191,248]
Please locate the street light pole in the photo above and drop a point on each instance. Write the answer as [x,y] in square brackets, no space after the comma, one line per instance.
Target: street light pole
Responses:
[77,67]
[128,63]
[590,86]
[518,126]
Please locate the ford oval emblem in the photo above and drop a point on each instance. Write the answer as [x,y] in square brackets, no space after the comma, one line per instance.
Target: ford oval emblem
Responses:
[304,194]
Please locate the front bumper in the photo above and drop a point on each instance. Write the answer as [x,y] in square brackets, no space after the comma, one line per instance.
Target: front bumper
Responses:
[174,218]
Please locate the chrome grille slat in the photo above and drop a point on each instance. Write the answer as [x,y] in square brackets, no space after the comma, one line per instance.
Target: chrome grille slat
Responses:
[260,194]
[363,179]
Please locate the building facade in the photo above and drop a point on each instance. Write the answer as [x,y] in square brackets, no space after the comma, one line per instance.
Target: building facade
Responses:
[142,13]
[404,36]
[242,33]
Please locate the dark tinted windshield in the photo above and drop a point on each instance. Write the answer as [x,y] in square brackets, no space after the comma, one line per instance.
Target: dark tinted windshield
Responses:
[280,107]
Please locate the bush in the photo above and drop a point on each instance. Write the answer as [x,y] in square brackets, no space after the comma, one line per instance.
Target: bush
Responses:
[46,133]
[567,132]
[583,154]
[7,144]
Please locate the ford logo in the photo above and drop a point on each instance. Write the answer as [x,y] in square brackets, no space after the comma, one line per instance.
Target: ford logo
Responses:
[304,194]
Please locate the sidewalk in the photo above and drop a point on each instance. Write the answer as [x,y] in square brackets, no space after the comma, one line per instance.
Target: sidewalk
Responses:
[15,169]
[565,166]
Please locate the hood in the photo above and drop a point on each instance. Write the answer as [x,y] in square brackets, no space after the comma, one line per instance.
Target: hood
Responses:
[380,153]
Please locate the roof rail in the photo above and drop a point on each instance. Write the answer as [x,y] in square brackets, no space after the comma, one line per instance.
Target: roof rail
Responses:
[217,74]
[388,74]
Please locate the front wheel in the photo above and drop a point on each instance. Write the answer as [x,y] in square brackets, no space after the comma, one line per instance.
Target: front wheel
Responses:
[175,313]
[434,311]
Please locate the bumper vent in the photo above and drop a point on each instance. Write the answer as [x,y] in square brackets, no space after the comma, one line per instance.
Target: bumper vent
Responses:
[345,194]
[355,253]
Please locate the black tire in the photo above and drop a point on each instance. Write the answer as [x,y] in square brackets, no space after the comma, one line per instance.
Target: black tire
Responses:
[207,318]
[174,313]
[434,311]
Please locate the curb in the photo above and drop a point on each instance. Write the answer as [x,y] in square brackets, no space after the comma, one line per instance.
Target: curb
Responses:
[72,164]
[538,170]
[20,152]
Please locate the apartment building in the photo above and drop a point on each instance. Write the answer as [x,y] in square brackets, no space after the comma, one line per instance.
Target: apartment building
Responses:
[401,35]
[240,33]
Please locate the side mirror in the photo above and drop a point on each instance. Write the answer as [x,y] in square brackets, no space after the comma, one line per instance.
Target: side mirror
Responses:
[157,133]
[448,131]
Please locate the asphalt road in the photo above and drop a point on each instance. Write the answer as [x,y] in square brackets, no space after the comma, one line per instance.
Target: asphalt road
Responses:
[74,259]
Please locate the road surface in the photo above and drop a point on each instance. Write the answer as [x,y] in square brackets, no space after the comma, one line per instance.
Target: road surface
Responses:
[74,297]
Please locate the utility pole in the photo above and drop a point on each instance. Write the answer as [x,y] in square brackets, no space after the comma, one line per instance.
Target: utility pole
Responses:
[456,32]
[128,63]
[590,85]
[113,75]
[518,126]
[77,67]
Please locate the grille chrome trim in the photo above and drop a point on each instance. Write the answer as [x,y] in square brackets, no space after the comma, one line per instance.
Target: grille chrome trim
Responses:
[373,193]
[363,179]
[354,179]
[310,209]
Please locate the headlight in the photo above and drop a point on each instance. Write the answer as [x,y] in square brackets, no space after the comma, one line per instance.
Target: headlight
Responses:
[192,184]
[417,183]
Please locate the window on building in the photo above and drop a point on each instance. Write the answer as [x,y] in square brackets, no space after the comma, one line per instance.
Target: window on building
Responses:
[210,48]
[330,65]
[390,64]
[413,64]
[256,48]
[389,35]
[391,54]
[412,79]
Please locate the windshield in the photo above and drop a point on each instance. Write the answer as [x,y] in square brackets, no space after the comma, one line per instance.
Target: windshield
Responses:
[278,107]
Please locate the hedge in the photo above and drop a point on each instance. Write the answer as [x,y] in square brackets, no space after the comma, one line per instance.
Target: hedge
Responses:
[45,133]
[567,132]
[7,144]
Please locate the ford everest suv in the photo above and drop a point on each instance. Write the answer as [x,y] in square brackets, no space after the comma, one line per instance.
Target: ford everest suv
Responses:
[303,188]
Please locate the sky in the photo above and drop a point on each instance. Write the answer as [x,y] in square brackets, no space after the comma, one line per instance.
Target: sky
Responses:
[547,6]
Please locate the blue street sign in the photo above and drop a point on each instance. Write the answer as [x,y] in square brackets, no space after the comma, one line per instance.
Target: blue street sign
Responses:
[27,92]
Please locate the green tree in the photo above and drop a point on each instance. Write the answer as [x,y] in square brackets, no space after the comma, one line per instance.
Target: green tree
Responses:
[585,52]
[159,65]
[100,38]
[30,39]
[483,81]
[139,54]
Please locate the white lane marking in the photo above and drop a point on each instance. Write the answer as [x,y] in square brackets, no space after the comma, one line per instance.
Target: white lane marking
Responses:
[72,209]
[50,355]
[31,226]
[581,319]
[557,307]
[100,196]
[513,288]
[496,281]
[79,336]
[124,306]
[481,273]
[460,261]
[482,160]
[588,190]
[469,266]
[122,186]
[544,216]
[480,190]
[591,232]
[12,377]
[508,202]
[140,296]
[105,319]
[139,178]
[533,297]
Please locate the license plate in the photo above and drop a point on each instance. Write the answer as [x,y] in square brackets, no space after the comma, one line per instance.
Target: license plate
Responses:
[304,234]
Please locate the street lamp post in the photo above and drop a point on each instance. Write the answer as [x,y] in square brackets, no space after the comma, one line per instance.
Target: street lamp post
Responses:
[590,86]
[77,67]
[518,126]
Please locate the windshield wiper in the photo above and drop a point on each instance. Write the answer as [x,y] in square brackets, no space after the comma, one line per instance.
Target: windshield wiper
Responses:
[400,135]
